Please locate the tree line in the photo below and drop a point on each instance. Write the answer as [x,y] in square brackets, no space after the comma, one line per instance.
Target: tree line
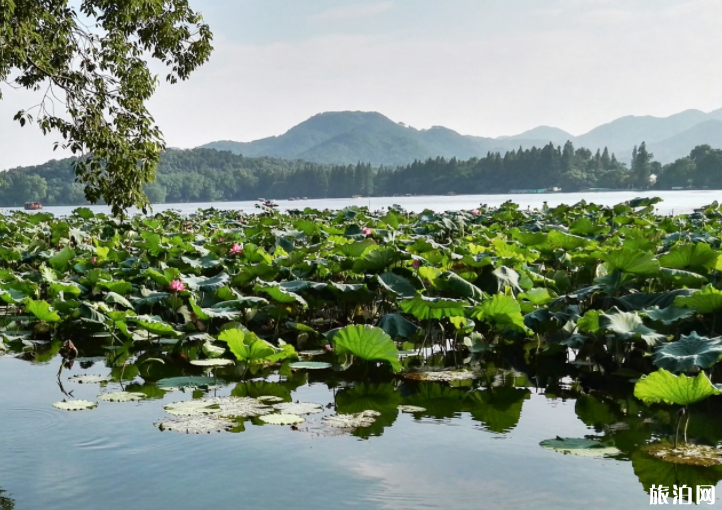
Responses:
[207,175]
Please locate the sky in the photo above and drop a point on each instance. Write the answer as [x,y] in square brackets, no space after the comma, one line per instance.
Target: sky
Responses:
[480,67]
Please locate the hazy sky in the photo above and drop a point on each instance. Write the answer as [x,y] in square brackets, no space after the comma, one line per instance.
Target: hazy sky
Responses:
[481,67]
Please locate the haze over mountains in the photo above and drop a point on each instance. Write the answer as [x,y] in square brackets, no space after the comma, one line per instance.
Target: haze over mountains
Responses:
[350,137]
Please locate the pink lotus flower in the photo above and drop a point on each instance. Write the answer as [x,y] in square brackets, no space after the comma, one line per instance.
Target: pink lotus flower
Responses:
[476,212]
[416,264]
[236,249]
[367,231]
[328,347]
[177,286]
[220,239]
[94,260]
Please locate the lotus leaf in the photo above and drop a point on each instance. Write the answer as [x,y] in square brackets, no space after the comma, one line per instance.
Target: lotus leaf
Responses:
[688,353]
[663,386]
[368,343]
[580,447]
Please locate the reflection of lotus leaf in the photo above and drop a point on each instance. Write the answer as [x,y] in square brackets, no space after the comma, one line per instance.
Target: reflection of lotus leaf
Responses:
[89,379]
[594,412]
[382,399]
[196,424]
[653,471]
[281,419]
[121,396]
[299,407]
[191,408]
[75,405]
[579,446]
[439,400]
[264,390]
[499,408]
[239,407]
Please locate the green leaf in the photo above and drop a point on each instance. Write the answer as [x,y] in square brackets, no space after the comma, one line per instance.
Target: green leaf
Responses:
[397,326]
[205,284]
[668,315]
[424,308]
[153,324]
[42,311]
[376,260]
[456,285]
[694,257]
[537,297]
[635,262]
[687,353]
[397,284]
[681,278]
[61,260]
[246,346]
[368,343]
[589,323]
[629,326]
[663,386]
[280,295]
[706,300]
[113,297]
[501,311]
[564,241]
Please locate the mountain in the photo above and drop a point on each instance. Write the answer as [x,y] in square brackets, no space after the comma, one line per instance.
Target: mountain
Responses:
[709,132]
[350,137]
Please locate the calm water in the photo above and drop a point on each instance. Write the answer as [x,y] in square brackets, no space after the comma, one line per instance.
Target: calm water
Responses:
[674,202]
[452,456]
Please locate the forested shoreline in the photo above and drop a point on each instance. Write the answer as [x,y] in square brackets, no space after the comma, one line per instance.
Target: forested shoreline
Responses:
[207,175]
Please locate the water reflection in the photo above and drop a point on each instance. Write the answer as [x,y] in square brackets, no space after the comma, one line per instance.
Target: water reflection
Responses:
[508,392]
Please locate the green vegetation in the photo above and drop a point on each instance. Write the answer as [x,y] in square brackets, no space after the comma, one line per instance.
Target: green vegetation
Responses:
[87,62]
[204,175]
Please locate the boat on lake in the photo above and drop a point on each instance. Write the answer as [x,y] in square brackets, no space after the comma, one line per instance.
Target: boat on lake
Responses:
[33,206]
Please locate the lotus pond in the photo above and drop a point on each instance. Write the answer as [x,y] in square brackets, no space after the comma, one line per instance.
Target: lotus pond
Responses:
[496,358]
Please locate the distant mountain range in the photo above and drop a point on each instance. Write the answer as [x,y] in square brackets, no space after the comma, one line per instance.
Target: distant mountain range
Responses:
[350,137]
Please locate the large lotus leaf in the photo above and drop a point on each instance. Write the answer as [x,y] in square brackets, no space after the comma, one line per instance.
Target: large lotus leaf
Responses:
[351,292]
[501,311]
[42,311]
[397,284]
[528,238]
[397,326]
[498,408]
[61,260]
[706,300]
[246,346]
[687,353]
[584,226]
[682,278]
[694,257]
[497,280]
[589,323]
[119,287]
[537,297]
[424,308]
[113,297]
[356,249]
[192,382]
[205,284]
[636,262]
[629,326]
[242,302]
[376,260]
[564,241]
[456,285]
[368,343]
[154,324]
[668,315]
[664,386]
[301,285]
[280,295]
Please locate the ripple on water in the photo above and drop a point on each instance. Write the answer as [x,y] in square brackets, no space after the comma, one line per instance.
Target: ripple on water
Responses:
[30,420]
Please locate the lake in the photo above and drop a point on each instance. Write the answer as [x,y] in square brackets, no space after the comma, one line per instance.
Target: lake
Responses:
[673,202]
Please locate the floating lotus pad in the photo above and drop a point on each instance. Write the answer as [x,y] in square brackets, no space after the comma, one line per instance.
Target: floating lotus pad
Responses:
[176,383]
[75,405]
[121,396]
[270,398]
[89,379]
[410,409]
[239,407]
[196,424]
[299,407]
[218,362]
[312,352]
[310,365]
[443,376]
[282,419]
[580,446]
[191,408]
[351,421]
